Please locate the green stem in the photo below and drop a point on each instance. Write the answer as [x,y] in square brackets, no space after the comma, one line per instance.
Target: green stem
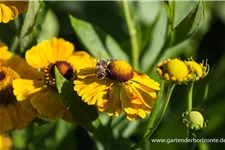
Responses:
[189,106]
[189,96]
[133,36]
[173,13]
[171,24]
[152,126]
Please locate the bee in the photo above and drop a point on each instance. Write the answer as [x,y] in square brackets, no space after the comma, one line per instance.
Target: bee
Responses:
[101,69]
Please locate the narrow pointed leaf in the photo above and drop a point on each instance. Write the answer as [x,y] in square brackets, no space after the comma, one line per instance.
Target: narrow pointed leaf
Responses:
[95,40]
[190,24]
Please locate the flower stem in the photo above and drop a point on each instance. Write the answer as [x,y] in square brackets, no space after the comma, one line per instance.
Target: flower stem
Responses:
[189,96]
[133,36]
[189,103]
[152,125]
[171,24]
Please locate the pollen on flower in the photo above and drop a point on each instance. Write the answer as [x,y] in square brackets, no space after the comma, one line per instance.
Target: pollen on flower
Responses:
[65,69]
[121,71]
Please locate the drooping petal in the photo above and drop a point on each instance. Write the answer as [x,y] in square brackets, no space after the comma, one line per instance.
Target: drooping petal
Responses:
[148,97]
[5,121]
[113,104]
[9,10]
[48,103]
[126,99]
[24,88]
[90,88]
[23,69]
[145,80]
[13,115]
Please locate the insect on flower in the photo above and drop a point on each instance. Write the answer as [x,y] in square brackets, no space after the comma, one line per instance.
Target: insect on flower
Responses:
[101,67]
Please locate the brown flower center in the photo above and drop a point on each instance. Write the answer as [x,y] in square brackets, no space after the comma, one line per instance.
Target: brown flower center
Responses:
[121,71]
[65,69]
[7,96]
[2,76]
[7,76]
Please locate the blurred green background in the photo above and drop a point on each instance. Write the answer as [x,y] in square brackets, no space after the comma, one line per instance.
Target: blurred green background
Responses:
[151,22]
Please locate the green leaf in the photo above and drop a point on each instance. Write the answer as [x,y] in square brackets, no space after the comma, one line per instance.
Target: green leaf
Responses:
[49,25]
[190,24]
[28,24]
[95,40]
[85,115]
[114,49]
[156,43]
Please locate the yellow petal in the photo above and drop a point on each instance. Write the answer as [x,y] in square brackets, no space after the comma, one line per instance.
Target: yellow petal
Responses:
[131,117]
[59,49]
[80,59]
[18,124]
[145,80]
[7,14]
[48,103]
[22,68]
[23,114]
[141,113]
[114,103]
[126,98]
[38,56]
[5,121]
[23,88]
[4,53]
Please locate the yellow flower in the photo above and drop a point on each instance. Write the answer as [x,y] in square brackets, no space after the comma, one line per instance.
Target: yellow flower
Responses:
[179,71]
[41,91]
[11,112]
[198,71]
[174,70]
[112,85]
[11,9]
[5,142]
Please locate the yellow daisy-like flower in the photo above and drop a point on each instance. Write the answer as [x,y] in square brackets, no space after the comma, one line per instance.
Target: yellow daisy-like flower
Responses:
[5,142]
[113,85]
[180,72]
[9,10]
[198,71]
[41,91]
[12,116]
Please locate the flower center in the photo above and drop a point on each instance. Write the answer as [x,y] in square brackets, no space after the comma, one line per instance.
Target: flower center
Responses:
[65,69]
[121,71]
[176,68]
[7,76]
[2,76]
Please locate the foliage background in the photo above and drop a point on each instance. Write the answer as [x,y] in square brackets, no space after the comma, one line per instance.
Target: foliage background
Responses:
[151,22]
